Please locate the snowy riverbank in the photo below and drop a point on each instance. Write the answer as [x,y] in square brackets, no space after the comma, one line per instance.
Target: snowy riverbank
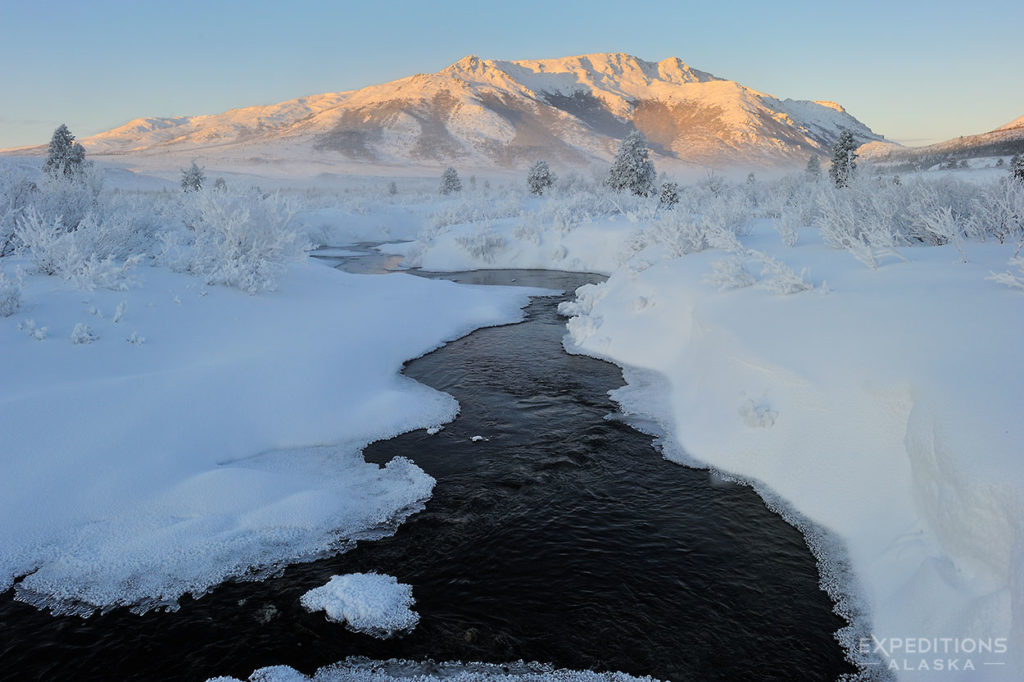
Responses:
[223,442]
[880,404]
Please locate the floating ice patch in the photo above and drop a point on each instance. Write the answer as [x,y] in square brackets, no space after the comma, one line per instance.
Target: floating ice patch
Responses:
[357,669]
[369,603]
[434,430]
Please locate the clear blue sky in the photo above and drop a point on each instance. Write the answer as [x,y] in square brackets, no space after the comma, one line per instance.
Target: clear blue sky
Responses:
[913,71]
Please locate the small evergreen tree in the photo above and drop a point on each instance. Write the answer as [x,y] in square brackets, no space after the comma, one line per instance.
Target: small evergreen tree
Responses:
[844,155]
[669,196]
[450,181]
[1017,167]
[65,158]
[813,169]
[751,179]
[540,177]
[1000,162]
[192,178]
[632,169]
[220,185]
[392,188]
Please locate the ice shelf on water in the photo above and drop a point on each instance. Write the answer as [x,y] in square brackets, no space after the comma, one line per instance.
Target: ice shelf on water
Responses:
[369,603]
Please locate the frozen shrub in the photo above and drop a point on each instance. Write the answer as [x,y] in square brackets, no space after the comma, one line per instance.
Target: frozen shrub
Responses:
[669,195]
[30,328]
[17,192]
[779,278]
[88,256]
[1011,279]
[82,334]
[482,245]
[10,295]
[813,169]
[243,240]
[729,274]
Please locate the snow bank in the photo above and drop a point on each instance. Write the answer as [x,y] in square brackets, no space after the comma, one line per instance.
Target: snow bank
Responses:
[206,434]
[882,406]
[370,603]
[886,411]
[365,670]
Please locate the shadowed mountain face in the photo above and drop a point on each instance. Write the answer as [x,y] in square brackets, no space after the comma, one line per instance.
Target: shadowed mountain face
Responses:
[572,111]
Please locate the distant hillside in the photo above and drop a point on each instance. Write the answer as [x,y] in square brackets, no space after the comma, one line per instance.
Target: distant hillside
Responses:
[1003,141]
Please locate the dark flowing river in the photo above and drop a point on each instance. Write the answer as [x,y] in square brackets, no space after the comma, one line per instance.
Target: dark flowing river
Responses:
[562,537]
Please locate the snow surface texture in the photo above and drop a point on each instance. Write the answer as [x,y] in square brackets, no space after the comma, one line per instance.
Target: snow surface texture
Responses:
[369,603]
[225,446]
[365,670]
[882,406]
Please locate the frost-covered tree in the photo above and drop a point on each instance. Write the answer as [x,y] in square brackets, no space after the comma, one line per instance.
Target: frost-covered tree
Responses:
[220,185]
[813,169]
[1017,167]
[192,178]
[450,181]
[392,188]
[844,164]
[632,169]
[65,158]
[540,177]
[669,196]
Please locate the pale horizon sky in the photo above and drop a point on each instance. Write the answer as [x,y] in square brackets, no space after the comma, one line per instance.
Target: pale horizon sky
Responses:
[916,72]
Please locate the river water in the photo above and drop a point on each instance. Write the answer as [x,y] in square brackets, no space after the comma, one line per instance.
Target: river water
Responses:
[562,537]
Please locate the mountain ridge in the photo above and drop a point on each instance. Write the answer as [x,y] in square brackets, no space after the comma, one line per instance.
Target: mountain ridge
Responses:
[506,113]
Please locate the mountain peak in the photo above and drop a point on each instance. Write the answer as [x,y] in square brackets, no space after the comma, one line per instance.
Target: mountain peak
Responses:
[573,110]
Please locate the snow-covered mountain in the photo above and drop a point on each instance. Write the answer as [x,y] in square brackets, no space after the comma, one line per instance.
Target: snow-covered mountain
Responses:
[484,112]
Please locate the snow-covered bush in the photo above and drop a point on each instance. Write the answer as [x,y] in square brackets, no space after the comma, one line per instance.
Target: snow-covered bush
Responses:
[482,245]
[10,294]
[91,256]
[779,278]
[1011,279]
[82,334]
[238,239]
[729,273]
[669,195]
[17,191]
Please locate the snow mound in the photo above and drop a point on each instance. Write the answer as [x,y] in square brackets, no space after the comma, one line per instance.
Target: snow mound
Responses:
[357,669]
[369,603]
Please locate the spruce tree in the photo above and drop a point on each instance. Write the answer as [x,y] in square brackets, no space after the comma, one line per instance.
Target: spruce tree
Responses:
[192,178]
[813,169]
[450,181]
[844,162]
[65,158]
[540,177]
[632,169]
[1017,167]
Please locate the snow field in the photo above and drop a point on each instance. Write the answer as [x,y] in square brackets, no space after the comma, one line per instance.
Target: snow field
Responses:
[225,445]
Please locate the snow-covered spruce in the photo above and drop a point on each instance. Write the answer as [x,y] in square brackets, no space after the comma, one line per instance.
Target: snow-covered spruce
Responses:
[370,603]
